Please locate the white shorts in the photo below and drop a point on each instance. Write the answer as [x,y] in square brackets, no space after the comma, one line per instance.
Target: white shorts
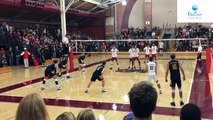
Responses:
[150,77]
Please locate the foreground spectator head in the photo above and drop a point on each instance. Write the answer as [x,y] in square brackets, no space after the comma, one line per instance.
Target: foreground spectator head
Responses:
[66,116]
[86,114]
[190,112]
[143,98]
[32,107]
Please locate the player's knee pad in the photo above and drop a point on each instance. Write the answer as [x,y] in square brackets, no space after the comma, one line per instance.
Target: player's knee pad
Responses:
[173,90]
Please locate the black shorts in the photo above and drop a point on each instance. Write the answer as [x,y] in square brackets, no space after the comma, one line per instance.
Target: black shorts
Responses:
[95,77]
[80,61]
[49,74]
[174,82]
[61,67]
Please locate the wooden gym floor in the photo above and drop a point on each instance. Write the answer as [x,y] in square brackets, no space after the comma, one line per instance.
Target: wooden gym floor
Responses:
[20,82]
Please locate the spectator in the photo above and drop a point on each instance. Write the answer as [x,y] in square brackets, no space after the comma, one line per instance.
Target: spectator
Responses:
[86,114]
[17,55]
[103,47]
[2,52]
[3,61]
[190,112]
[10,56]
[32,107]
[143,97]
[26,54]
[66,116]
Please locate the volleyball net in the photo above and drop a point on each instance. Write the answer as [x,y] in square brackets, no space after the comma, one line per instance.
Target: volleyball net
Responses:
[163,45]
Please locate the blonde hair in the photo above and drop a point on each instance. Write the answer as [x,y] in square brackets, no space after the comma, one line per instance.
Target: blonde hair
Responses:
[32,107]
[86,114]
[66,116]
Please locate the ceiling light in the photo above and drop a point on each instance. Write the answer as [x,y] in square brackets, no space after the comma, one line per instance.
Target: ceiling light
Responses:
[124,2]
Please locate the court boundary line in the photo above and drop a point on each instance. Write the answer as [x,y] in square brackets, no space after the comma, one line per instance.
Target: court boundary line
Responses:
[206,112]
[192,80]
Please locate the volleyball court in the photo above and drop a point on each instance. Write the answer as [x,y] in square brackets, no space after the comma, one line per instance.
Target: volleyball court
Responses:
[121,75]
[131,56]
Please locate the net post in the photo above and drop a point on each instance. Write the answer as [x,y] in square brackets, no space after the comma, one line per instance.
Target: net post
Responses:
[76,46]
[208,70]
[71,60]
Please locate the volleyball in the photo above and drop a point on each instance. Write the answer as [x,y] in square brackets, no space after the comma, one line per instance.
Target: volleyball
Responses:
[65,40]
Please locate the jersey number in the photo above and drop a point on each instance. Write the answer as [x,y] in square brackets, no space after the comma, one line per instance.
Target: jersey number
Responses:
[174,66]
[151,67]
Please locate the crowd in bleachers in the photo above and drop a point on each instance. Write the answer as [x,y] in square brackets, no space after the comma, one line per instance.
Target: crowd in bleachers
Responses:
[40,40]
[137,33]
[44,41]
[192,32]
[130,33]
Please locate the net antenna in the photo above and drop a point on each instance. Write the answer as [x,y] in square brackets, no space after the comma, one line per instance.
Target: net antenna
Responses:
[200,44]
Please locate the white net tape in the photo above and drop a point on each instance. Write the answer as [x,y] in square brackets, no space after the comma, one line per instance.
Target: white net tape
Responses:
[168,45]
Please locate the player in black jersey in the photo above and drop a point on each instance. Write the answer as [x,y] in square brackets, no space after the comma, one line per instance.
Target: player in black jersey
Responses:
[81,62]
[49,73]
[174,67]
[98,74]
[63,65]
[65,50]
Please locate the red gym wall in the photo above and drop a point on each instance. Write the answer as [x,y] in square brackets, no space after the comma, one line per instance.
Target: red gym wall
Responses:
[95,27]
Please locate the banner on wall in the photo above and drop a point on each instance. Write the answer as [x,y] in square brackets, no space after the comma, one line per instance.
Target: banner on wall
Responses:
[194,11]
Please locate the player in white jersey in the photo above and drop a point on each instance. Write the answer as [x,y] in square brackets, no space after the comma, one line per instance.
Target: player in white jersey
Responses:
[154,51]
[161,44]
[131,55]
[147,52]
[114,51]
[151,69]
[199,52]
[136,55]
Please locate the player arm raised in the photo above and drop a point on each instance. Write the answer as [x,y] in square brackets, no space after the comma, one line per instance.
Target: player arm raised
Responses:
[167,72]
